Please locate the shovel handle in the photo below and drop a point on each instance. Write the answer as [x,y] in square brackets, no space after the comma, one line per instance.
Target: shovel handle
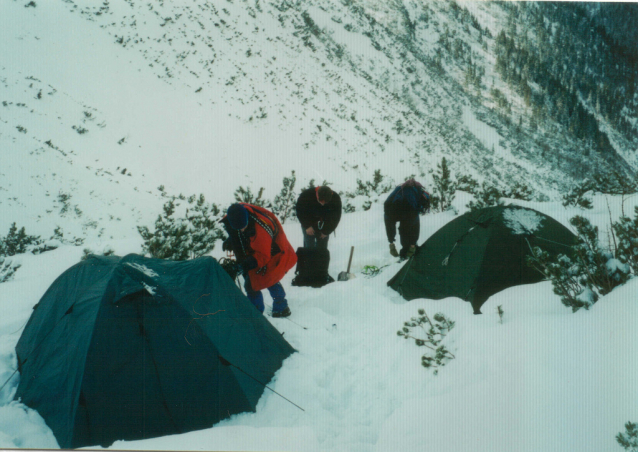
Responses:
[350,261]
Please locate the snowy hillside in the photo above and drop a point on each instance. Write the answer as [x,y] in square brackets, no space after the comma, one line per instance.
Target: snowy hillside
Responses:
[133,96]
[103,103]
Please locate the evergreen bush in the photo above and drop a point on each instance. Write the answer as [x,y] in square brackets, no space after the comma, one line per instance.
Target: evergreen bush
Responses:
[466,183]
[17,241]
[285,201]
[487,196]
[187,237]
[375,186]
[629,439]
[7,269]
[577,196]
[587,273]
[246,195]
[626,231]
[434,333]
[519,191]
[444,187]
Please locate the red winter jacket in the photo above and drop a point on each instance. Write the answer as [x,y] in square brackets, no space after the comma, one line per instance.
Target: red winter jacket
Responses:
[273,262]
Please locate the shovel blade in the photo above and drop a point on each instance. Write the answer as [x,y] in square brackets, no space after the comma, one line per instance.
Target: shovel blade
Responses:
[345,276]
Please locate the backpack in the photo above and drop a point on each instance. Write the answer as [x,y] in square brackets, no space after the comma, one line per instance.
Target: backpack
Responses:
[312,267]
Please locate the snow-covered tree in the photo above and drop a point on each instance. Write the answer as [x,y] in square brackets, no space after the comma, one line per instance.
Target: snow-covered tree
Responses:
[586,273]
[578,195]
[629,439]
[626,231]
[17,241]
[187,237]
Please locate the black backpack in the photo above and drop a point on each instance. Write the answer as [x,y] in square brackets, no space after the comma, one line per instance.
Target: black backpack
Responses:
[312,267]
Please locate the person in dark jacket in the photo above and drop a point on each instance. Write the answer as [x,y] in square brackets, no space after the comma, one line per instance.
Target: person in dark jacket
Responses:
[404,205]
[319,212]
[263,253]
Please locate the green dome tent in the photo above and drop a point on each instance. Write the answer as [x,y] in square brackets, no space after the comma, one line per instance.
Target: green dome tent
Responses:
[132,348]
[479,254]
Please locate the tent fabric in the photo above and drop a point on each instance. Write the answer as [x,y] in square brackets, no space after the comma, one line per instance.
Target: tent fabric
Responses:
[125,348]
[481,253]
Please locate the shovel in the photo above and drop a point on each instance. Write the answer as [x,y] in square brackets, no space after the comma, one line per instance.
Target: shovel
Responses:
[345,276]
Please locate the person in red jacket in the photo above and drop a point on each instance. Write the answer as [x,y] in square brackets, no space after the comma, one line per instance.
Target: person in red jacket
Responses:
[262,251]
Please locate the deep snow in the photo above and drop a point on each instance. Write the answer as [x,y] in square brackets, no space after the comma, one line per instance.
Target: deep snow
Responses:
[545,379]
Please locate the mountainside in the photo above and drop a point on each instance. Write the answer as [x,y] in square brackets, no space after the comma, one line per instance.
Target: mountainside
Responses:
[206,96]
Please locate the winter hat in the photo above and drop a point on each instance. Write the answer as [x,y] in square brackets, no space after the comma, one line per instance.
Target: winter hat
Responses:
[237,216]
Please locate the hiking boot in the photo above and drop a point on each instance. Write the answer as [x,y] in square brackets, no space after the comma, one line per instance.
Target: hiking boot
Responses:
[393,250]
[285,313]
[410,252]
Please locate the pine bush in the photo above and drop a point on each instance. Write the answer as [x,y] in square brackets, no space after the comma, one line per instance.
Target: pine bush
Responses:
[487,196]
[629,439]
[444,187]
[587,273]
[626,231]
[577,196]
[247,196]
[187,237]
[466,183]
[519,191]
[434,333]
[17,241]
[284,204]
[376,185]
[7,269]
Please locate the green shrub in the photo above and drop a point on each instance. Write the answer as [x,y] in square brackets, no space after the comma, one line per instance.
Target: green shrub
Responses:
[629,439]
[486,196]
[187,237]
[7,269]
[17,241]
[285,201]
[626,231]
[433,334]
[587,273]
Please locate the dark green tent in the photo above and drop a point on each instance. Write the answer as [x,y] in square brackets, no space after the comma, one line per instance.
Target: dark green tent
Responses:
[132,348]
[479,254]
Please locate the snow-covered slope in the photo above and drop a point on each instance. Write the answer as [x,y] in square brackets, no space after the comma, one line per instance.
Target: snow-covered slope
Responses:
[543,379]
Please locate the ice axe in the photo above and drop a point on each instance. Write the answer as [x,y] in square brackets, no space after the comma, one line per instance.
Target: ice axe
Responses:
[345,276]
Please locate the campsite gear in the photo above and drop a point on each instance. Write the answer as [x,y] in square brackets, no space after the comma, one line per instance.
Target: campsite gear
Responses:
[312,267]
[231,267]
[127,348]
[264,243]
[481,253]
[345,276]
[393,250]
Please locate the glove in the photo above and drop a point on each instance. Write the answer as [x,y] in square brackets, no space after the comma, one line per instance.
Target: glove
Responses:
[247,264]
[393,250]
[410,252]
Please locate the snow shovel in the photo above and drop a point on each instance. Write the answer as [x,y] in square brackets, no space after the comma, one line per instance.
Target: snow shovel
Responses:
[345,276]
